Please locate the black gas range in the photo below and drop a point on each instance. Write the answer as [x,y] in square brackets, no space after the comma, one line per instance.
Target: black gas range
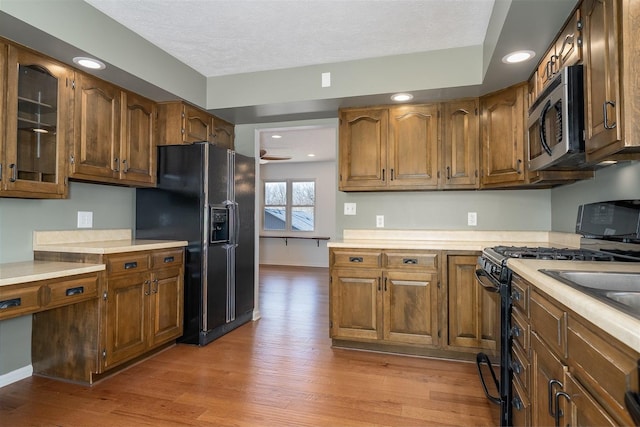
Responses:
[493,275]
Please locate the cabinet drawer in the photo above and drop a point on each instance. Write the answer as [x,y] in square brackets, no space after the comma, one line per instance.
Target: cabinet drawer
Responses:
[520,331]
[521,367]
[128,263]
[70,291]
[520,294]
[606,367]
[411,260]
[549,322]
[19,299]
[521,406]
[170,258]
[354,259]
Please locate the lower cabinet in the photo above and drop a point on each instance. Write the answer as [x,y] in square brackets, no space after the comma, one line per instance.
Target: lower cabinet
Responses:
[405,301]
[140,308]
[472,317]
[579,373]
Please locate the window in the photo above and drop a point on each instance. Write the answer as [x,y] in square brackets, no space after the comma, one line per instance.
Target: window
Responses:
[289,205]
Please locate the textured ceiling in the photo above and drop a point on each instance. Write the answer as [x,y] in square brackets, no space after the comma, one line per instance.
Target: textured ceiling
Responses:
[221,37]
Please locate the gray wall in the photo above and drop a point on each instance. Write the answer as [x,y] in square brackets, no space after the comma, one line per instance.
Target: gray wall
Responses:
[112,207]
[617,182]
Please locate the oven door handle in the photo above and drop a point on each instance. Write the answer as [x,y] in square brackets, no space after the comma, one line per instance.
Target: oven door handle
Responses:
[487,281]
[480,359]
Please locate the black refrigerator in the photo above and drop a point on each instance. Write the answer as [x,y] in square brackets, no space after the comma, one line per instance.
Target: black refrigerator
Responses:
[205,195]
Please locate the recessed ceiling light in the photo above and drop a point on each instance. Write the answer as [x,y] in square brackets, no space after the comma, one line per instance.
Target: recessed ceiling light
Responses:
[311,155]
[518,56]
[276,136]
[90,63]
[401,97]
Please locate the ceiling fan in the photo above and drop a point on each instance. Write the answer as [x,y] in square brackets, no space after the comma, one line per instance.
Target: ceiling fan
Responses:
[264,156]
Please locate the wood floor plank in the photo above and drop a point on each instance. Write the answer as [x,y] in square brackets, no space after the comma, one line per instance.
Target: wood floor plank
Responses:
[278,371]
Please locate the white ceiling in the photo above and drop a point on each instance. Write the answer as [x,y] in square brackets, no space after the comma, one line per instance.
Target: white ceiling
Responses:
[299,142]
[220,37]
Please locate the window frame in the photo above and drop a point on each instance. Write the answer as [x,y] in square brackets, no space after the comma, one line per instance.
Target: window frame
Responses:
[289,204]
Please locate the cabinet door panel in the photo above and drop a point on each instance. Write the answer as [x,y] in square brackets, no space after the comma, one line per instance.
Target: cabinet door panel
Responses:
[503,137]
[363,149]
[473,312]
[355,304]
[165,306]
[602,85]
[126,321]
[138,148]
[223,133]
[460,144]
[585,411]
[97,129]
[411,307]
[39,100]
[197,125]
[547,369]
[413,147]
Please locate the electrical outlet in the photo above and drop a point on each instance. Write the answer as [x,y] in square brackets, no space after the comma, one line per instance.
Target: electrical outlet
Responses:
[379,221]
[472,218]
[85,219]
[349,208]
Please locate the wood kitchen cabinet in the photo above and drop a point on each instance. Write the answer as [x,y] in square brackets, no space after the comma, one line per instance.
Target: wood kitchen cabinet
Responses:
[114,135]
[139,309]
[576,368]
[611,67]
[36,124]
[223,133]
[385,298]
[182,123]
[502,133]
[473,323]
[460,144]
[408,148]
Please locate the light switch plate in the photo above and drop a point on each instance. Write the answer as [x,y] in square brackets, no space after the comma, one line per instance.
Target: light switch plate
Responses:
[326,79]
[472,218]
[380,221]
[85,219]
[349,208]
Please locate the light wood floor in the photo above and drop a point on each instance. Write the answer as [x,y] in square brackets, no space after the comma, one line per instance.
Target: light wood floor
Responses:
[278,371]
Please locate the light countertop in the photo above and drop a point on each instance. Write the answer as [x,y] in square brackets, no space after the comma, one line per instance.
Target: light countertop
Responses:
[97,242]
[30,271]
[467,240]
[620,325]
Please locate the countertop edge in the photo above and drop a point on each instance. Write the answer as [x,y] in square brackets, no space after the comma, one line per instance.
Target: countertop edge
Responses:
[111,247]
[618,324]
[33,271]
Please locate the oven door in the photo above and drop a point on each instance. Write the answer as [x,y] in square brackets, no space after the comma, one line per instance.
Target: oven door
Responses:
[488,378]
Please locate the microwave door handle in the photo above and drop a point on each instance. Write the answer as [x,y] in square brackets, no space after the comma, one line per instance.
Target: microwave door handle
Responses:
[543,130]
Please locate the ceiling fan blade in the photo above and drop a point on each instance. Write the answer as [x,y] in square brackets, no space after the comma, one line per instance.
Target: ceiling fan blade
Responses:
[275,158]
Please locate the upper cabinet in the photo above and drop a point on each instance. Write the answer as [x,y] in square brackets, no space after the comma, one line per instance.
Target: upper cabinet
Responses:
[503,150]
[460,144]
[114,134]
[407,148]
[137,146]
[612,66]
[36,124]
[182,123]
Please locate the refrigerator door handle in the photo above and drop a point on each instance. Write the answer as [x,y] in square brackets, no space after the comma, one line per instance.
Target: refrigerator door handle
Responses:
[236,234]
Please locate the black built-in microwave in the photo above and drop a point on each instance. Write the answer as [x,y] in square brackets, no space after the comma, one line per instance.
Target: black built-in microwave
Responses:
[556,123]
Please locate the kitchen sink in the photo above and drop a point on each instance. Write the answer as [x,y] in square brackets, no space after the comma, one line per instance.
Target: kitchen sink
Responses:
[618,289]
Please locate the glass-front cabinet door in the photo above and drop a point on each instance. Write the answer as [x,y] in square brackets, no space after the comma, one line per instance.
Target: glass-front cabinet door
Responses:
[39,99]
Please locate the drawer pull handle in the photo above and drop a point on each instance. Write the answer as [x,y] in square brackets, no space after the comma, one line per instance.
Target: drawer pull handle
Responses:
[517,404]
[168,259]
[409,260]
[515,295]
[14,302]
[516,331]
[516,367]
[130,265]
[355,259]
[75,291]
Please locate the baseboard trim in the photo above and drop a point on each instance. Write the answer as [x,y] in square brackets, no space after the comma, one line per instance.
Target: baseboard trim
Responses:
[15,376]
